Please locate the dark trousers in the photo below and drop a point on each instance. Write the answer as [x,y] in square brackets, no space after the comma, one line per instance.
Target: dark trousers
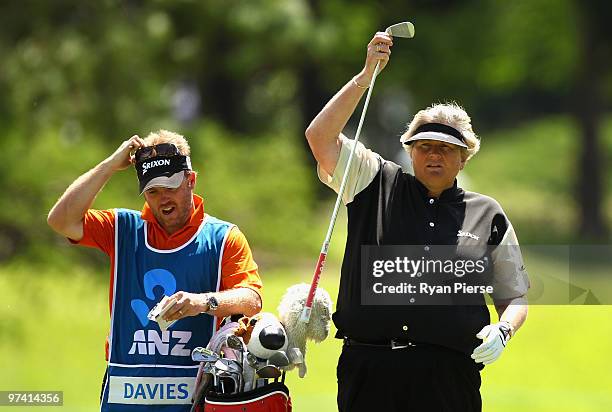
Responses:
[414,379]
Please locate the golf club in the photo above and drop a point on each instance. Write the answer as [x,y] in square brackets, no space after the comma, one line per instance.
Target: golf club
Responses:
[235,343]
[228,365]
[200,354]
[230,377]
[201,390]
[248,374]
[269,371]
[279,359]
[406,30]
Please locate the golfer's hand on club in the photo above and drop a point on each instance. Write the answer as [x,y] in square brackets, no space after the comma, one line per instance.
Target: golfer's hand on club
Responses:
[187,304]
[495,337]
[379,49]
[124,155]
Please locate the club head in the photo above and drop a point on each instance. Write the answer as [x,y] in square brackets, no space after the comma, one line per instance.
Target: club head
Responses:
[204,355]
[279,359]
[234,366]
[230,377]
[269,372]
[209,369]
[252,360]
[221,366]
[248,375]
[234,342]
[403,29]
[228,365]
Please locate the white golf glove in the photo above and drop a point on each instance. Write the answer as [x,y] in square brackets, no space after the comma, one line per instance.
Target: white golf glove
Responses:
[495,337]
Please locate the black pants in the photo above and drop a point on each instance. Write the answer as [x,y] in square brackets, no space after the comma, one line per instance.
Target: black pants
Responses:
[414,379]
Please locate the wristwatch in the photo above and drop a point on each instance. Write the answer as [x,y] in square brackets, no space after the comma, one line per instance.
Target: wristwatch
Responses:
[212,303]
[507,330]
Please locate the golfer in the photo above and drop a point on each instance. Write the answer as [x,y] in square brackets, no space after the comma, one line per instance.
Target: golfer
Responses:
[171,248]
[406,357]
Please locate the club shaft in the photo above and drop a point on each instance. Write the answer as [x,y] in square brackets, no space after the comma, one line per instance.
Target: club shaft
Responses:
[305,317]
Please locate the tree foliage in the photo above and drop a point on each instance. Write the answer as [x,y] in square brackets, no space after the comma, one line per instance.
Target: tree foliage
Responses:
[79,77]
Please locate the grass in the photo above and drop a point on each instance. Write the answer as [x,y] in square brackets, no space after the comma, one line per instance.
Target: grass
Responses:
[54,325]
[52,333]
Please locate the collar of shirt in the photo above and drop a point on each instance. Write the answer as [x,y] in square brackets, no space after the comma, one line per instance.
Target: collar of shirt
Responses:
[451,194]
[159,234]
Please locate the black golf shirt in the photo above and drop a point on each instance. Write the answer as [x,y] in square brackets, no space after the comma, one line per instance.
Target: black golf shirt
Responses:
[395,209]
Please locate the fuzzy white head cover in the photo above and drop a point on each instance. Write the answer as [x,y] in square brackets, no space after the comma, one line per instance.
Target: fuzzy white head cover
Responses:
[268,336]
[317,329]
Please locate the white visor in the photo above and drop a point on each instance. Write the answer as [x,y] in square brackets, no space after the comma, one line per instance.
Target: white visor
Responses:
[171,182]
[441,137]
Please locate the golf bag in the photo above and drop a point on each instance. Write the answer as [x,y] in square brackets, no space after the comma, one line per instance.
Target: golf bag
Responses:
[273,397]
[233,379]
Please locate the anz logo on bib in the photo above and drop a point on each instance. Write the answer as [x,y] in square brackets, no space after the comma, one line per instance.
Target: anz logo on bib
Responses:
[152,341]
[170,343]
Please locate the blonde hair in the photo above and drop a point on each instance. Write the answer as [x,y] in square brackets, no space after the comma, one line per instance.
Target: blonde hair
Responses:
[166,136]
[450,114]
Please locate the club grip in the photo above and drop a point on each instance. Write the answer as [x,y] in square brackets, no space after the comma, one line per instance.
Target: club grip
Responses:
[305,317]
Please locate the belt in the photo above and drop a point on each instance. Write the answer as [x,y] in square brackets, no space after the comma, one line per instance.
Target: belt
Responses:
[392,344]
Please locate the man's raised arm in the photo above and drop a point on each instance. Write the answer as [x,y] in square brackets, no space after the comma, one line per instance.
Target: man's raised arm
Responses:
[324,131]
[66,216]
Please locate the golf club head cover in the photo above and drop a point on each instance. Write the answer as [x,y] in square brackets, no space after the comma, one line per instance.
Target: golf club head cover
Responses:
[298,332]
[245,329]
[268,336]
[218,340]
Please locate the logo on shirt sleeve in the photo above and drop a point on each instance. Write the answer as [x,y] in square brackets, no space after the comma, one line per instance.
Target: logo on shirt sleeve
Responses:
[462,233]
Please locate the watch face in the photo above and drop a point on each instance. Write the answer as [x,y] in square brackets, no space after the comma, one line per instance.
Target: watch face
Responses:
[213,303]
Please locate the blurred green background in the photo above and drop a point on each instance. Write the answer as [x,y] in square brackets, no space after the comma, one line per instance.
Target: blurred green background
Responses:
[242,80]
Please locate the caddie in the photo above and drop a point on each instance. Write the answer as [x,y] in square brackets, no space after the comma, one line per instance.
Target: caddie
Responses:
[171,248]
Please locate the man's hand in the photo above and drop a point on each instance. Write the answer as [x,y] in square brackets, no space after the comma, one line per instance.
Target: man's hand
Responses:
[66,216]
[239,300]
[495,337]
[124,155]
[379,49]
[187,304]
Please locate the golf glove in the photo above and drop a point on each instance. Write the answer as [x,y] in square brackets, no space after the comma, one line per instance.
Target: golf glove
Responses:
[495,337]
